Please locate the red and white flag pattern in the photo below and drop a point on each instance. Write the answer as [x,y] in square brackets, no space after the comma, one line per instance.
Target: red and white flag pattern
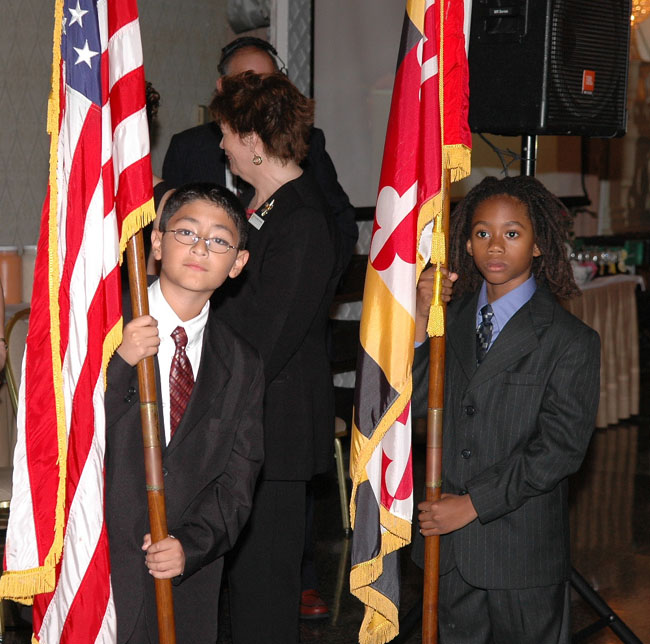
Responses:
[99,194]
[427,134]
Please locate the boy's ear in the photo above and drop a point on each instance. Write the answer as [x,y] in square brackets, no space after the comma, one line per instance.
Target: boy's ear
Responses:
[156,243]
[239,263]
[536,251]
[469,247]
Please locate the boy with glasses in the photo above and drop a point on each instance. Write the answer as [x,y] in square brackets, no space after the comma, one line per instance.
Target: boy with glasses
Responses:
[210,384]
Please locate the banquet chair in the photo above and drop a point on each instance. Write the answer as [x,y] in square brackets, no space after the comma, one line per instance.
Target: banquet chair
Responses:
[16,336]
[340,431]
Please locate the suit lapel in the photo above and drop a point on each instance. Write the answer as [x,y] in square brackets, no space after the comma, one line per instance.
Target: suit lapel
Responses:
[461,326]
[518,338]
[214,373]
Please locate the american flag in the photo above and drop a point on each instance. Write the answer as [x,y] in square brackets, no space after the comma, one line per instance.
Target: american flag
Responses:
[99,193]
[427,134]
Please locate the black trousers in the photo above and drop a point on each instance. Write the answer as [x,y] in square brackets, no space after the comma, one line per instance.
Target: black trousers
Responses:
[140,633]
[264,568]
[514,616]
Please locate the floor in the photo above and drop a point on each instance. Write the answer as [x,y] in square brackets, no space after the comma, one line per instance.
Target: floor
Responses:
[610,514]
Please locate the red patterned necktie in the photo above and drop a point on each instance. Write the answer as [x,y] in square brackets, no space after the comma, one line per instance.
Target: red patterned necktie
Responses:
[181,380]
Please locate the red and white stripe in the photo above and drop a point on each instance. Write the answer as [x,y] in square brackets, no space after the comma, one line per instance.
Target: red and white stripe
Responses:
[103,175]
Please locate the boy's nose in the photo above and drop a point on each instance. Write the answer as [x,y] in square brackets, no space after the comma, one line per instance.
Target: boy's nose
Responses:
[201,247]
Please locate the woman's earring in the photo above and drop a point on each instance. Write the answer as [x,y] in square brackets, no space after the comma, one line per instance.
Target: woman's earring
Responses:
[257,160]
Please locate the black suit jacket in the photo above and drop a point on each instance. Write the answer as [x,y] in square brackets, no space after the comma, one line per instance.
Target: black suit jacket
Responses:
[210,467]
[280,304]
[195,155]
[515,428]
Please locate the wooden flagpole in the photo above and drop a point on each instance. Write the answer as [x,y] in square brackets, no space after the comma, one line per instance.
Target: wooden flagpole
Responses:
[151,437]
[434,445]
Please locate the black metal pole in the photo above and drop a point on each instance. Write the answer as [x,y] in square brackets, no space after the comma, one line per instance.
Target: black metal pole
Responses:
[608,617]
[528,154]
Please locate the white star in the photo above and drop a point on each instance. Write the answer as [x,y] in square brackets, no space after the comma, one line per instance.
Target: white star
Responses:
[77,14]
[63,24]
[85,55]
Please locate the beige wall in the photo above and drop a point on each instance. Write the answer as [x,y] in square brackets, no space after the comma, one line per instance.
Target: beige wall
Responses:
[355,50]
[181,42]
[353,83]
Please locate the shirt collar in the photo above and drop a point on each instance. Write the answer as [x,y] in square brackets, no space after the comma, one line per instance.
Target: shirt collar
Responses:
[168,320]
[507,305]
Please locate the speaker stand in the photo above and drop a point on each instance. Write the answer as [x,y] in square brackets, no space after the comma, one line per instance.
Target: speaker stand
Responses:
[607,617]
[528,154]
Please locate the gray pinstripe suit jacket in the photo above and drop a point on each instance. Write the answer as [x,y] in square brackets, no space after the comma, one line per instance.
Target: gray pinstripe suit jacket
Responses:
[515,427]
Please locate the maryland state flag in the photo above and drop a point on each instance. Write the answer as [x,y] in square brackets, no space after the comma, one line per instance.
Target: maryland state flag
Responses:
[427,134]
[99,194]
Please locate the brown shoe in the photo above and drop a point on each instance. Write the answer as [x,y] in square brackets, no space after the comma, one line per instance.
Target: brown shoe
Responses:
[312,605]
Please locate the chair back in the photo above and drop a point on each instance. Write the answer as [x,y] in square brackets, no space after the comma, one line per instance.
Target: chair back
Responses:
[16,336]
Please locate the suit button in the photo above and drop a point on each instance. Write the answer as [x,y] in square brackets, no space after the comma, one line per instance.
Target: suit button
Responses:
[469,410]
[131,391]
[462,492]
[127,399]
[466,453]
[165,471]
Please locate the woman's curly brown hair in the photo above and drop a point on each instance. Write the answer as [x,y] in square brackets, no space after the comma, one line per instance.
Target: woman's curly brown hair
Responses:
[270,106]
[152,102]
[550,226]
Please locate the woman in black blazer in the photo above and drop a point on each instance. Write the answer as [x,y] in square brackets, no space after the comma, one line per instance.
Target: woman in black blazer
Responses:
[280,304]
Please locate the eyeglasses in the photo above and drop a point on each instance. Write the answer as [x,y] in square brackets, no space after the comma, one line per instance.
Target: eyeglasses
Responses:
[189,238]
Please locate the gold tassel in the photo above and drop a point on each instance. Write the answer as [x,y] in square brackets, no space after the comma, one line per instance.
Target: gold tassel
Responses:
[438,254]
[436,326]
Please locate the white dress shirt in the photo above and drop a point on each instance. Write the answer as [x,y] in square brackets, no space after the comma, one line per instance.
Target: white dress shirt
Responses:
[167,321]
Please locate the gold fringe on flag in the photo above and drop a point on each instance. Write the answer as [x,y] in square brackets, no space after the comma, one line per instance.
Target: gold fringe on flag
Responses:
[55,335]
[457,159]
[136,220]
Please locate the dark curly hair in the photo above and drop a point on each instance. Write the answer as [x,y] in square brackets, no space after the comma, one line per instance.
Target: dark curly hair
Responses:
[270,106]
[550,226]
[152,102]
[214,194]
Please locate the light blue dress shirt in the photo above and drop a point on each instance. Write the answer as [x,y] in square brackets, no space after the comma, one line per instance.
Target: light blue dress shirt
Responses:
[506,306]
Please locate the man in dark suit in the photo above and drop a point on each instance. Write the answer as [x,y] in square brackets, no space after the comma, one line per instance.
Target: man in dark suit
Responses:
[195,155]
[213,454]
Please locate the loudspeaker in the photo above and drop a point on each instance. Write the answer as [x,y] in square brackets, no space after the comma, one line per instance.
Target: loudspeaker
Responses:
[549,67]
